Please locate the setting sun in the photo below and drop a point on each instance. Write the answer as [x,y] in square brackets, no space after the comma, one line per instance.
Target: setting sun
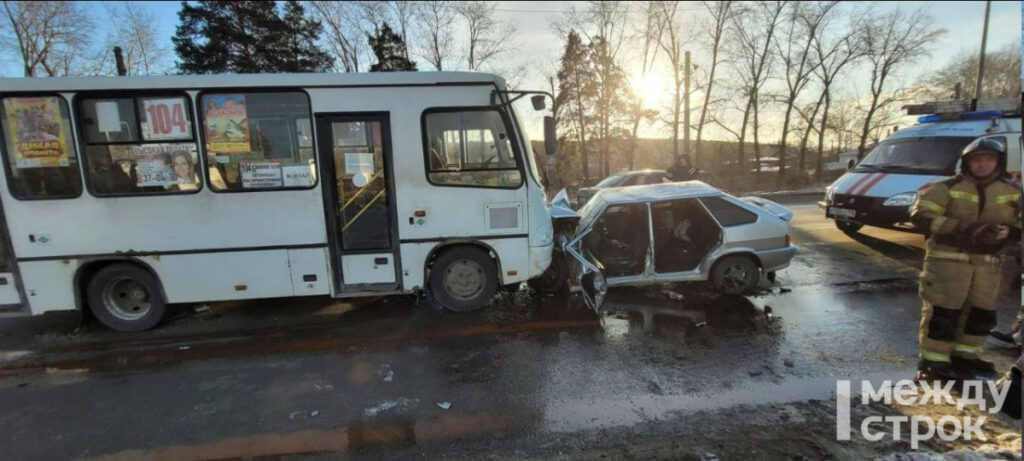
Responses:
[651,88]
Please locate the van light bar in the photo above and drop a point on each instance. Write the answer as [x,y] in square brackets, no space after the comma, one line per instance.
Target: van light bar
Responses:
[929,118]
[981,115]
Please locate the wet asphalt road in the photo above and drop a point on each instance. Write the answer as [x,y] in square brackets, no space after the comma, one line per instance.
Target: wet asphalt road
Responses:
[301,376]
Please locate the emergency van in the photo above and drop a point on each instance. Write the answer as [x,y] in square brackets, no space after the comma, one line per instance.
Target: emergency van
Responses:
[882,187]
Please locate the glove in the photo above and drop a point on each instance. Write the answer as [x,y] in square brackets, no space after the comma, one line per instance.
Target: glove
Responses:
[982,234]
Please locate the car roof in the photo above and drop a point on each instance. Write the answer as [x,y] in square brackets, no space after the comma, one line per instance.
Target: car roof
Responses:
[656,192]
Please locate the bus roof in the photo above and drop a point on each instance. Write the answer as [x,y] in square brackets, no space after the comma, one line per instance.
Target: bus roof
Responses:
[51,84]
[965,129]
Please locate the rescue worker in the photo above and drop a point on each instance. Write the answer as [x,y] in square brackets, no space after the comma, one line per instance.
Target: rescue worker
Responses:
[967,218]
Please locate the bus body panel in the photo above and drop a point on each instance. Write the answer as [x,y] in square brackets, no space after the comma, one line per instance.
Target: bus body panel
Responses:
[44,294]
[191,278]
[515,252]
[310,271]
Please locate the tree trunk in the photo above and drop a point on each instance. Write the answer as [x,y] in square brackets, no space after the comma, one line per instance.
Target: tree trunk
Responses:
[867,127]
[741,157]
[807,134]
[782,142]
[821,135]
[757,144]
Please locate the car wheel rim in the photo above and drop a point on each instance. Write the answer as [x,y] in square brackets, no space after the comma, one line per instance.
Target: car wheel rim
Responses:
[734,276]
[126,299]
[464,279]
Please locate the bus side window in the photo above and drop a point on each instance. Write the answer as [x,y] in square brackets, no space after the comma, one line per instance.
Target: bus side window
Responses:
[139,145]
[39,148]
[476,152]
[259,140]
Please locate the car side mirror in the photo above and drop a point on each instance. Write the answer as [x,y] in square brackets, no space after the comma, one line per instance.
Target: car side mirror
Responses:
[538,102]
[550,135]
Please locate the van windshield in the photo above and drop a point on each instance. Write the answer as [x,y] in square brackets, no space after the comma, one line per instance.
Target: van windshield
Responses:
[931,155]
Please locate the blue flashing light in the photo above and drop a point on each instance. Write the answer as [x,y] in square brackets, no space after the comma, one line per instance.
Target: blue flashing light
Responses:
[929,118]
[981,115]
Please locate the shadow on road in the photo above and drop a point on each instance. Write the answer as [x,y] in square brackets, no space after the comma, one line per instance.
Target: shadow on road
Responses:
[904,253]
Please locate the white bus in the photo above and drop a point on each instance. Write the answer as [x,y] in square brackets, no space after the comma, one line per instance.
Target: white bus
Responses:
[123,194]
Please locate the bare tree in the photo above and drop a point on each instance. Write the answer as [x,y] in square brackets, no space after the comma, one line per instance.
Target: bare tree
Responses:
[891,41]
[135,32]
[487,37]
[721,13]
[405,14]
[435,41]
[345,28]
[754,29]
[1002,75]
[798,63]
[48,35]
[833,54]
[672,39]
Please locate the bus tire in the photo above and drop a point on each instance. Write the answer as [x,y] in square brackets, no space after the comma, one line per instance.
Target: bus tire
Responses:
[125,297]
[463,279]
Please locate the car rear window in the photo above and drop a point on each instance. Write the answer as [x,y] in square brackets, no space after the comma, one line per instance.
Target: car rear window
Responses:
[726,213]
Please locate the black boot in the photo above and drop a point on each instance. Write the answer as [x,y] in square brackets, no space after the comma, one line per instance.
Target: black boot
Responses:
[970,366]
[1012,405]
[928,370]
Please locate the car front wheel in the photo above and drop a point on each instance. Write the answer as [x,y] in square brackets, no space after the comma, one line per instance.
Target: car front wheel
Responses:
[849,227]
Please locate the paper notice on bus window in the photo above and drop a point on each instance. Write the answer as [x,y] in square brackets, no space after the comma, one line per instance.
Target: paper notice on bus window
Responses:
[108,117]
[227,123]
[297,175]
[356,163]
[36,131]
[154,164]
[165,119]
[259,175]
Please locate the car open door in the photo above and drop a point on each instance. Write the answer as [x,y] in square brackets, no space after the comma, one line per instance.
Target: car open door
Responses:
[588,272]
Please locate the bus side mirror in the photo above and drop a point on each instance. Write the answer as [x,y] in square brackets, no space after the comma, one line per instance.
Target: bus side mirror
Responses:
[538,102]
[550,136]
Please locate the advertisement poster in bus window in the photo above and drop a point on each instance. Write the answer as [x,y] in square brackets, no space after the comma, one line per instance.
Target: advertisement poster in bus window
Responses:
[227,125]
[154,164]
[37,132]
[165,119]
[260,175]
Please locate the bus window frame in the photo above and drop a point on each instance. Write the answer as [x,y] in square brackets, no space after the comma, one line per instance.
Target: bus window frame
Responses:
[516,150]
[78,102]
[74,142]
[201,118]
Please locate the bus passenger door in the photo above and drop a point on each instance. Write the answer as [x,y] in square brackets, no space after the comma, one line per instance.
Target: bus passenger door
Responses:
[10,296]
[355,156]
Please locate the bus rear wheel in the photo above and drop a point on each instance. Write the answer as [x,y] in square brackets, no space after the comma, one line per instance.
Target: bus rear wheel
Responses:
[125,297]
[463,279]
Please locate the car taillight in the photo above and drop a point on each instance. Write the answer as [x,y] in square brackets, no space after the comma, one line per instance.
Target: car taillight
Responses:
[787,240]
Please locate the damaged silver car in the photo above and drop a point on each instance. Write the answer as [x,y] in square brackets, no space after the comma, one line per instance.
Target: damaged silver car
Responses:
[673,232]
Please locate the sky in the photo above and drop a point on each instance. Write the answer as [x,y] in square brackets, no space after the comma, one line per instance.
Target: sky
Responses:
[539,47]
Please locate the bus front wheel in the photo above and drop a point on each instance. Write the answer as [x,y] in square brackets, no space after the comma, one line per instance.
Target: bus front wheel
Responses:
[125,297]
[463,279]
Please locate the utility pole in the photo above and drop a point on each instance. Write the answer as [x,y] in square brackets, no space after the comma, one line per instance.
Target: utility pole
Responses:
[981,58]
[686,108]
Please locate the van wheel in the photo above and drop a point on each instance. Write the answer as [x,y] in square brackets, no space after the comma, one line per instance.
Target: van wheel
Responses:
[849,227]
[734,275]
[125,297]
[463,279]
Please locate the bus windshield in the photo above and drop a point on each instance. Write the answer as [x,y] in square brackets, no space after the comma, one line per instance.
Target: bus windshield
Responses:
[930,155]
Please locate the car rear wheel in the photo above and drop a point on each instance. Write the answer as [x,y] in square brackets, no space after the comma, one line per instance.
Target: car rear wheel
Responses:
[735,275]
[463,279]
[849,227]
[125,297]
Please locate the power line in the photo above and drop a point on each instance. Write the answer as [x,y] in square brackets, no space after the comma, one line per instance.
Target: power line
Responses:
[506,10]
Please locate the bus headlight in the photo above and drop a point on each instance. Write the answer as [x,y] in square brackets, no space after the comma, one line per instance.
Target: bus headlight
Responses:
[904,199]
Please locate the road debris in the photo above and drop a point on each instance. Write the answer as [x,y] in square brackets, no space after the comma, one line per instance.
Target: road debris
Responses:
[675,296]
[444,405]
[184,348]
[401,404]
[201,308]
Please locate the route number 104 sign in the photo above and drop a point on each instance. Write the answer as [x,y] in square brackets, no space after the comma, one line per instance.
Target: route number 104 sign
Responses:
[166,119]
